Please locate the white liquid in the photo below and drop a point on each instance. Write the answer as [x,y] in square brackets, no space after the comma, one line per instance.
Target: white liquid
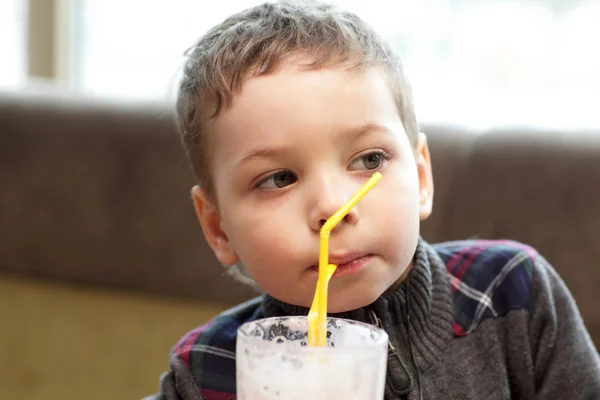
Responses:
[316,379]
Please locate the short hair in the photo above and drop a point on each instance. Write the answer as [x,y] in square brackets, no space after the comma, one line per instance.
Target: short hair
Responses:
[254,42]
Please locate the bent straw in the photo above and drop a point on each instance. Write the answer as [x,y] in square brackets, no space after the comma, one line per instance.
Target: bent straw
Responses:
[317,316]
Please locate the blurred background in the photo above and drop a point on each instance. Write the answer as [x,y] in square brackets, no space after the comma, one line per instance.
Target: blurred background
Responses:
[470,61]
[102,265]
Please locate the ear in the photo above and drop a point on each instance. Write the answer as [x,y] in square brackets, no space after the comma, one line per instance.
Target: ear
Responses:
[210,220]
[425,177]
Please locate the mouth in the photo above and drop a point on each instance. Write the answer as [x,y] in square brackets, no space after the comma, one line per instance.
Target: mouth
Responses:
[348,263]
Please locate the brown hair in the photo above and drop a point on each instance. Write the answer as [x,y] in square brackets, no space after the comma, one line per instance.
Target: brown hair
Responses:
[254,42]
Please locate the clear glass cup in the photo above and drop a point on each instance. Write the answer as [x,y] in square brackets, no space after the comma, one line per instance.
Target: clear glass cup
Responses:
[273,361]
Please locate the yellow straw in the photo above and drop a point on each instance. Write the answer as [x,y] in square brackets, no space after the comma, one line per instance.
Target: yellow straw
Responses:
[317,316]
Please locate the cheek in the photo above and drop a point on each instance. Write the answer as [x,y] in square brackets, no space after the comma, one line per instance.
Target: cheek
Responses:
[262,241]
[403,188]
[400,222]
[398,208]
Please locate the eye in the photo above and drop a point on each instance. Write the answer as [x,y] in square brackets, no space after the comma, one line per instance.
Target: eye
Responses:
[369,161]
[278,180]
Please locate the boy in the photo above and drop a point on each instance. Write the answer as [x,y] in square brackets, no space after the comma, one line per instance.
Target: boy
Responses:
[286,110]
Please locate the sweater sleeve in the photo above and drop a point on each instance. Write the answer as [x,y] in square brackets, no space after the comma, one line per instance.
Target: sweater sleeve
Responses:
[177,384]
[566,362]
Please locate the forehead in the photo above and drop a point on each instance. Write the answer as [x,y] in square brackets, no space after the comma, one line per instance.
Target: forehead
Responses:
[293,99]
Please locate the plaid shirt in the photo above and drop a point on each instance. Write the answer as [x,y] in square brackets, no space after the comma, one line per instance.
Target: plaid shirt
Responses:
[487,280]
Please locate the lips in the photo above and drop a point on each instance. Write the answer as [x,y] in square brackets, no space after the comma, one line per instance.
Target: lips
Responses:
[343,259]
[347,263]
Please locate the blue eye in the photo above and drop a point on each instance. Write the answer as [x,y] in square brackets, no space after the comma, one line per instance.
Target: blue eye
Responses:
[369,161]
[278,180]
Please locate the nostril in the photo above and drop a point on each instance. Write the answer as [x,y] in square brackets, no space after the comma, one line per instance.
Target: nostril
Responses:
[322,222]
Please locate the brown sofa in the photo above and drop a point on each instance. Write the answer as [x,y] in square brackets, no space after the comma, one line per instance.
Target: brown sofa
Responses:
[96,220]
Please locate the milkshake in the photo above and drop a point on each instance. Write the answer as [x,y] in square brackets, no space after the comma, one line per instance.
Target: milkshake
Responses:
[273,361]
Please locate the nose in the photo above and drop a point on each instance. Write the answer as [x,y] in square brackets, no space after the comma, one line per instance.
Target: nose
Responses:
[328,197]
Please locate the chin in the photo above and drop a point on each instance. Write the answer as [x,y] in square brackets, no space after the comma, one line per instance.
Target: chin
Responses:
[351,302]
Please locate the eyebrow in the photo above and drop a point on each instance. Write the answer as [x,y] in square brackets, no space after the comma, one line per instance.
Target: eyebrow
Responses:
[274,151]
[342,136]
[362,130]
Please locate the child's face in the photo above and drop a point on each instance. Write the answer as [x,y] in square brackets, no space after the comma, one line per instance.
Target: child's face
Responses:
[293,148]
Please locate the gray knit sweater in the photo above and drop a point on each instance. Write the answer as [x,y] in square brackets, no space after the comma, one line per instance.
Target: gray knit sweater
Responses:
[474,320]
